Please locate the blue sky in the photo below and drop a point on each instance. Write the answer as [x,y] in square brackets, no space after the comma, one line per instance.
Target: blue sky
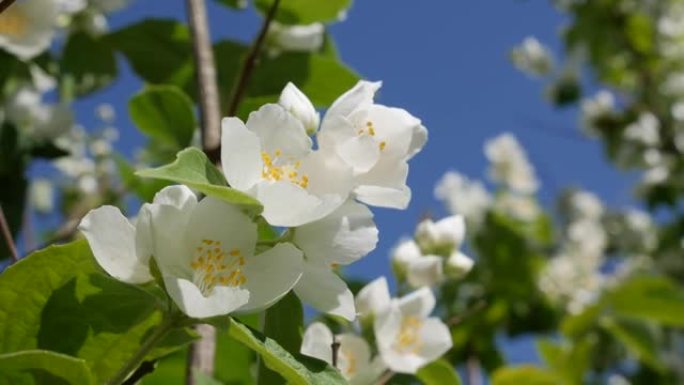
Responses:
[447,63]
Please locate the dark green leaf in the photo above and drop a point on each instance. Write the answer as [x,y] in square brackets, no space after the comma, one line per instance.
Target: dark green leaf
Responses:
[638,338]
[165,113]
[42,367]
[89,62]
[284,323]
[193,169]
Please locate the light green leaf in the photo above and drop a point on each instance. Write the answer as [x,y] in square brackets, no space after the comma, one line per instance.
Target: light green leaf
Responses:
[235,4]
[524,374]
[651,298]
[203,379]
[297,370]
[235,363]
[306,11]
[637,338]
[284,323]
[57,299]
[171,59]
[164,112]
[193,169]
[439,372]
[43,367]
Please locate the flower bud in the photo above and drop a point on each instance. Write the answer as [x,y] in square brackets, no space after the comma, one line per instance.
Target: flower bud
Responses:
[440,237]
[458,265]
[294,101]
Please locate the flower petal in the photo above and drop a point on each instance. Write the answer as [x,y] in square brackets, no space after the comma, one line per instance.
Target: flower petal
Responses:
[360,152]
[112,239]
[240,154]
[392,126]
[328,174]
[341,237]
[188,297]
[353,356]
[435,338]
[279,130]
[321,288]
[296,102]
[317,342]
[425,271]
[168,226]
[178,196]
[418,140]
[385,184]
[418,303]
[360,96]
[373,298]
[270,275]
[288,205]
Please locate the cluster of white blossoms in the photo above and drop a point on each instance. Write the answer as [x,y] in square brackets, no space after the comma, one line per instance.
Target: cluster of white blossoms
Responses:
[406,337]
[463,196]
[595,109]
[433,254]
[28,27]
[532,58]
[572,278]
[207,250]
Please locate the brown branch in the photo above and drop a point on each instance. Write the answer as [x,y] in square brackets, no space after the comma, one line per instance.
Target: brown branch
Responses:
[335,346]
[250,61]
[7,234]
[201,354]
[5,4]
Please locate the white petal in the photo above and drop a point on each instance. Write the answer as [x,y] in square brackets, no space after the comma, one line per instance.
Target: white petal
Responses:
[288,205]
[369,374]
[373,298]
[353,356]
[335,130]
[279,130]
[435,339]
[188,297]
[112,239]
[168,226]
[445,233]
[394,198]
[360,96]
[360,152]
[385,184]
[294,101]
[458,265]
[419,303]
[178,196]
[240,154]
[36,20]
[393,126]
[341,237]
[425,271]
[321,288]
[317,342]
[328,174]
[270,275]
[418,140]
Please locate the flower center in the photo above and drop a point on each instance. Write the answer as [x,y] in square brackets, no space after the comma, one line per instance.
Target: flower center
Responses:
[13,22]
[408,339]
[213,266]
[277,169]
[347,363]
[369,130]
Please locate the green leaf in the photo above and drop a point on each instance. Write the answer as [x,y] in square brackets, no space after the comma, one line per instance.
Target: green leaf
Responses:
[165,113]
[284,323]
[297,370]
[44,367]
[57,299]
[89,62]
[235,4]
[524,374]
[305,11]
[439,372]
[203,379]
[160,51]
[650,298]
[235,363]
[637,338]
[193,169]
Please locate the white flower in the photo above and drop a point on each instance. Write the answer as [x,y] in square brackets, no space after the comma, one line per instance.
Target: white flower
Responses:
[204,251]
[270,157]
[521,207]
[458,265]
[463,196]
[376,141]
[441,236]
[38,121]
[302,38]
[427,270]
[340,238]
[27,27]
[42,195]
[403,254]
[596,108]
[353,354]
[509,164]
[407,337]
[532,58]
[586,205]
[373,298]
[588,236]
[645,130]
[294,100]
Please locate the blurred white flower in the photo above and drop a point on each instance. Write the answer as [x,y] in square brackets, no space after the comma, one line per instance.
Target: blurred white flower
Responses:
[42,195]
[594,109]
[38,121]
[509,164]
[458,265]
[27,27]
[444,235]
[532,58]
[584,204]
[373,298]
[521,207]
[301,38]
[463,196]
[645,130]
[105,112]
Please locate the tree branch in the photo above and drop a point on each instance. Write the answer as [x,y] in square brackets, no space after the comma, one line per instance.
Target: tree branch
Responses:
[5,4]
[250,61]
[201,354]
[7,234]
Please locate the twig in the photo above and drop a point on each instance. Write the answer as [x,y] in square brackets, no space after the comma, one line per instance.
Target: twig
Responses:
[385,377]
[202,353]
[210,112]
[479,306]
[7,234]
[144,369]
[5,4]
[250,61]
[335,351]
